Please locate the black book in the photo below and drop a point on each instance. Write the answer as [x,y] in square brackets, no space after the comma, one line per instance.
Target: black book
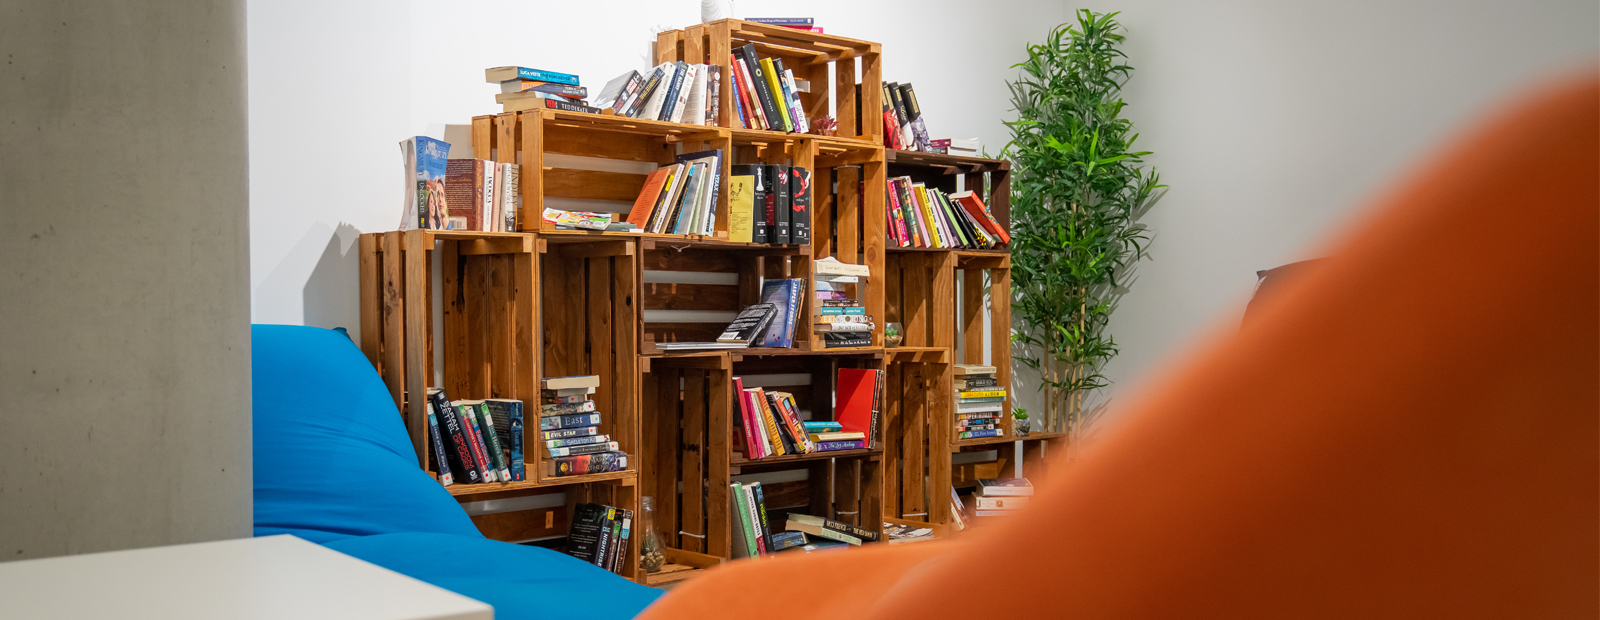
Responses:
[791,445]
[769,104]
[671,100]
[608,539]
[913,111]
[555,104]
[859,120]
[800,206]
[846,339]
[778,205]
[900,114]
[750,323]
[649,88]
[758,219]
[619,525]
[877,407]
[761,512]
[583,538]
[457,452]
[616,92]
[890,120]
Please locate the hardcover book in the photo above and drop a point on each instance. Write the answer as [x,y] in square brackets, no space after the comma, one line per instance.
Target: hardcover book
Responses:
[758,199]
[750,323]
[560,422]
[506,74]
[778,205]
[458,451]
[800,206]
[569,433]
[603,462]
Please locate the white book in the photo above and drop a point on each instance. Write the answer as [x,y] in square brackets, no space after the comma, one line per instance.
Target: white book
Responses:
[652,106]
[693,111]
[684,90]
[486,211]
[510,197]
[980,407]
[794,102]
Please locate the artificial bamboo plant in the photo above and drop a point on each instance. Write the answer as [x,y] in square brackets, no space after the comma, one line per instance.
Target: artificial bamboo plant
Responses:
[1078,190]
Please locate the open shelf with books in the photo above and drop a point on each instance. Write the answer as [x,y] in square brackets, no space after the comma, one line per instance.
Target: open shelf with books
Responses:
[942,202]
[827,65]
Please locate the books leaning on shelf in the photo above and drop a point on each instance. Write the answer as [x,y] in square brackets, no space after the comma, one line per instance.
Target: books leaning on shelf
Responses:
[924,217]
[903,127]
[749,325]
[784,295]
[479,195]
[675,92]
[765,93]
[570,427]
[980,402]
[600,535]
[681,198]
[424,203]
[475,441]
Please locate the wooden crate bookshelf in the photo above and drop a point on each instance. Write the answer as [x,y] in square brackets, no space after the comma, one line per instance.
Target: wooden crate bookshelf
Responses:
[828,62]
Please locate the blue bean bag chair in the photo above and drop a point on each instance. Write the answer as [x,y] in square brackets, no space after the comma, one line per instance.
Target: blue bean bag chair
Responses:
[333,465]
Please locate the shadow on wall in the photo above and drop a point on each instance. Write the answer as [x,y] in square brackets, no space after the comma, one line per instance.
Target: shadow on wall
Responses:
[332,294]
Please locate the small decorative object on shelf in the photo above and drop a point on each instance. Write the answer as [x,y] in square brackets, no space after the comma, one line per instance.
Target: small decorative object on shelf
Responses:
[893,334]
[825,126]
[1022,425]
[651,558]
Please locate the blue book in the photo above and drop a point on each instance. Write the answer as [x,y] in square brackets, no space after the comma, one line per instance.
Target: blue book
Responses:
[993,432]
[853,444]
[826,426]
[508,423]
[785,295]
[671,100]
[842,310]
[506,74]
[429,157]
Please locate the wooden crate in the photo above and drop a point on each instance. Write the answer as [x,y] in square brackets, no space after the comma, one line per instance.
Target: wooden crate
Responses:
[547,144]
[827,61]
[848,221]
[687,425]
[488,334]
[690,292]
[989,178]
[917,398]
[983,274]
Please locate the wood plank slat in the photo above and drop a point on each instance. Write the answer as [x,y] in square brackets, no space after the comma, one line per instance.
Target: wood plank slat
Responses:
[692,453]
[530,154]
[847,229]
[592,184]
[597,331]
[719,441]
[674,296]
[669,425]
[417,312]
[371,309]
[393,317]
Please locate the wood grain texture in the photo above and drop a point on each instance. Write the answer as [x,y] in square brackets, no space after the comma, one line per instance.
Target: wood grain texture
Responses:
[417,313]
[530,153]
[719,440]
[592,184]
[692,456]
[393,317]
[371,310]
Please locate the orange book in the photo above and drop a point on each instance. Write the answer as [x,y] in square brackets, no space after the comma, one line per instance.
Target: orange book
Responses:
[647,197]
[980,212]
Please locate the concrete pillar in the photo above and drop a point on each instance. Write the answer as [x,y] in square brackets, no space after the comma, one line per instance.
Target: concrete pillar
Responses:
[124,275]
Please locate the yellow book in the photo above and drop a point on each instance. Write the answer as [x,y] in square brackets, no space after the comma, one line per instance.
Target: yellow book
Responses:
[927,214]
[983,394]
[742,203]
[770,72]
[771,423]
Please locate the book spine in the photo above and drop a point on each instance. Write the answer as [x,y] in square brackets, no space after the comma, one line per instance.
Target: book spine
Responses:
[897,226]
[769,423]
[822,427]
[686,92]
[864,534]
[602,547]
[829,446]
[524,73]
[787,540]
[787,93]
[486,195]
[439,455]
[874,435]
[1000,392]
[791,418]
[759,231]
[803,123]
[629,92]
[480,452]
[769,79]
[796,287]
[670,101]
[566,409]
[832,535]
[761,514]
[645,92]
[740,115]
[593,448]
[978,434]
[576,441]
[568,421]
[781,205]
[769,107]
[455,437]
[514,421]
[623,546]
[568,433]
[491,436]
[800,206]
[753,110]
[751,446]
[755,518]
[742,516]
[714,92]
[783,21]
[600,463]
[568,106]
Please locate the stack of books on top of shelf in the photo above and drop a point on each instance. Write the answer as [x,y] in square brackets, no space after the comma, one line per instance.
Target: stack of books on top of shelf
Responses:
[522,88]
[599,535]
[924,217]
[681,198]
[675,92]
[570,427]
[841,319]
[475,441]
[903,127]
[765,93]
[980,402]
[997,497]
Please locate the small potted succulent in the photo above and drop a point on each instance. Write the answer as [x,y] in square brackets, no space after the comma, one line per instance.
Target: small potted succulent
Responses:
[1022,424]
[893,335]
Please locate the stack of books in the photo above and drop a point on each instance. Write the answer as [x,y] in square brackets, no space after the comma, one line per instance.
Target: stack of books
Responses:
[681,198]
[924,217]
[765,93]
[980,402]
[522,88]
[997,497]
[570,427]
[841,319]
[902,119]
[675,92]
[475,441]
[599,535]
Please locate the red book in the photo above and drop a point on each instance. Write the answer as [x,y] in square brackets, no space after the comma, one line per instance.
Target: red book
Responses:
[752,444]
[646,202]
[463,192]
[980,212]
[854,400]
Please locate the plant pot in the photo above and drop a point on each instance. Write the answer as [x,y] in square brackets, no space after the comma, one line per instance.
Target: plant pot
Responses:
[1022,427]
[893,335]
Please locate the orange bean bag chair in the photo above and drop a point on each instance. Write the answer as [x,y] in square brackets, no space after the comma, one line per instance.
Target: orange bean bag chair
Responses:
[1410,432]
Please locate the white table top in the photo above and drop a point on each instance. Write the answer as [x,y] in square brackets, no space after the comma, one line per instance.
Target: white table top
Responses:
[258,578]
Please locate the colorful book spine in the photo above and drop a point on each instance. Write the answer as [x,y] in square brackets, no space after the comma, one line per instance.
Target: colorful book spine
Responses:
[755,518]
[603,545]
[568,433]
[752,446]
[568,421]
[491,440]
[977,434]
[770,77]
[742,515]
[769,422]
[610,446]
[538,75]
[585,406]
[439,455]
[480,452]
[455,438]
[830,446]
[761,514]
[577,441]
[826,426]
[600,463]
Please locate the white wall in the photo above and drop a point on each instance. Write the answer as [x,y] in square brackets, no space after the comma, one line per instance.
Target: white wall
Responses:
[125,351]
[1275,121]
[334,86]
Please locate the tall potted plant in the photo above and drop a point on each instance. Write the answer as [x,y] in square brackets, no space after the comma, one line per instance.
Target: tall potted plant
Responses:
[1078,190]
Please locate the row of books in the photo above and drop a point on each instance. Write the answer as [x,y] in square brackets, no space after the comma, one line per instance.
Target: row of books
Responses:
[599,535]
[927,217]
[755,535]
[902,119]
[475,441]
[773,424]
[457,194]
[675,92]
[765,93]
[980,402]
[681,198]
